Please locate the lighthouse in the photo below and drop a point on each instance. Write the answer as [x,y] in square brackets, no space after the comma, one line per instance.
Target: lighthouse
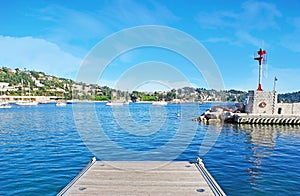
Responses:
[259,101]
[262,59]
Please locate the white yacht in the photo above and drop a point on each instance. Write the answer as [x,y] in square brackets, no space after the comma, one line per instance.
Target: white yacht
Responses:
[61,104]
[27,103]
[4,104]
[159,103]
[112,103]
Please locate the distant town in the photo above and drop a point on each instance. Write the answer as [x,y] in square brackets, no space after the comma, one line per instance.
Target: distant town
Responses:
[17,82]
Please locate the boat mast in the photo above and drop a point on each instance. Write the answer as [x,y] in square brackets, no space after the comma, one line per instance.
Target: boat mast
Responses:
[22,90]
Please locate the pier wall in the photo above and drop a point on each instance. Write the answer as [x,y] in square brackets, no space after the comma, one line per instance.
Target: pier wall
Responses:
[285,119]
[288,108]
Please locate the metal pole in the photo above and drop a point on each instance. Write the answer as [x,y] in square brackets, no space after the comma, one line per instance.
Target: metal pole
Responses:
[274,86]
[274,94]
[260,74]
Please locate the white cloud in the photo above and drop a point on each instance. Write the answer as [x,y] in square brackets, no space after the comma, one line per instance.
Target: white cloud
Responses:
[37,54]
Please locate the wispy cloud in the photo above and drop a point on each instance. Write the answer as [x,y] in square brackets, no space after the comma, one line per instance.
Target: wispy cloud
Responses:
[217,20]
[241,26]
[258,15]
[73,27]
[132,13]
[292,39]
[288,79]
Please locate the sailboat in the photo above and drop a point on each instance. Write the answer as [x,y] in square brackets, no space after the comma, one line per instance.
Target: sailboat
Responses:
[159,103]
[126,102]
[62,103]
[4,104]
[116,102]
[23,102]
[178,113]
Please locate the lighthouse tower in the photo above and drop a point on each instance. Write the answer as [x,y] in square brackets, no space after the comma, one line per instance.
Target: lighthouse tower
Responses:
[262,59]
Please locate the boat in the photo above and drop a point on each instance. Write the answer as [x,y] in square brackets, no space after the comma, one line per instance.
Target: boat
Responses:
[70,102]
[159,103]
[23,102]
[4,104]
[61,104]
[27,103]
[113,103]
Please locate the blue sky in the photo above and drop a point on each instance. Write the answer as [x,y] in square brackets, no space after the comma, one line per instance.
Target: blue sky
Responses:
[55,36]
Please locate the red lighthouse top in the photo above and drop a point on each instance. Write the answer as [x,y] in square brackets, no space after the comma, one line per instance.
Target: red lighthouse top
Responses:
[261,53]
[261,58]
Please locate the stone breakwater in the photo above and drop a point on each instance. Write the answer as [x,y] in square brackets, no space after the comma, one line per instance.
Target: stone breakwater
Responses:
[236,114]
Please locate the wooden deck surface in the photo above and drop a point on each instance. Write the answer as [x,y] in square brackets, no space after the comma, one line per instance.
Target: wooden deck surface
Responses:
[141,178]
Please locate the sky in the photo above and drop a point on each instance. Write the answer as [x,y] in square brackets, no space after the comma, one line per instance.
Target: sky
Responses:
[57,37]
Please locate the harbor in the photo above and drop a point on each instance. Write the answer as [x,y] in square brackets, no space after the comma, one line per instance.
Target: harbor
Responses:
[143,178]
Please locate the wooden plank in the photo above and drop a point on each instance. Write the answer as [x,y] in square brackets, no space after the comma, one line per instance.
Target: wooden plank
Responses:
[141,178]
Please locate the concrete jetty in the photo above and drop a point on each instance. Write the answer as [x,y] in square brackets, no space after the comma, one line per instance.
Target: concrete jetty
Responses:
[267,119]
[244,118]
[143,178]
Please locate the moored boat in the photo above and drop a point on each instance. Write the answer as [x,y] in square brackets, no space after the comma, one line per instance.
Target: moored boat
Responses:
[23,102]
[159,103]
[61,104]
[112,103]
[5,105]
[27,103]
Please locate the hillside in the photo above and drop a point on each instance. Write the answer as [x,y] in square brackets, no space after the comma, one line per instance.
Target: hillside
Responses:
[289,97]
[42,84]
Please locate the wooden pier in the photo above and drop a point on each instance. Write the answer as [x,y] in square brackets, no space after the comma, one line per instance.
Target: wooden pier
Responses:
[143,178]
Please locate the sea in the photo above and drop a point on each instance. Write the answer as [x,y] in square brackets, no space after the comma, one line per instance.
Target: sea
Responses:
[44,147]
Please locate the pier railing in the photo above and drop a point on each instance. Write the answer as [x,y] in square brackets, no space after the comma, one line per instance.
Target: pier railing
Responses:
[209,179]
[83,171]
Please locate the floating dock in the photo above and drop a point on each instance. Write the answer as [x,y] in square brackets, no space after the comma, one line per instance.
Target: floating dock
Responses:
[143,178]
[267,119]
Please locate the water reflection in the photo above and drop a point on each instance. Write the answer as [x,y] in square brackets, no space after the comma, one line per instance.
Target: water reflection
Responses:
[265,135]
[262,142]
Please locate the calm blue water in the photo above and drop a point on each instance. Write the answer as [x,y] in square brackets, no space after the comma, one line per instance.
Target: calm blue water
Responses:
[44,147]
